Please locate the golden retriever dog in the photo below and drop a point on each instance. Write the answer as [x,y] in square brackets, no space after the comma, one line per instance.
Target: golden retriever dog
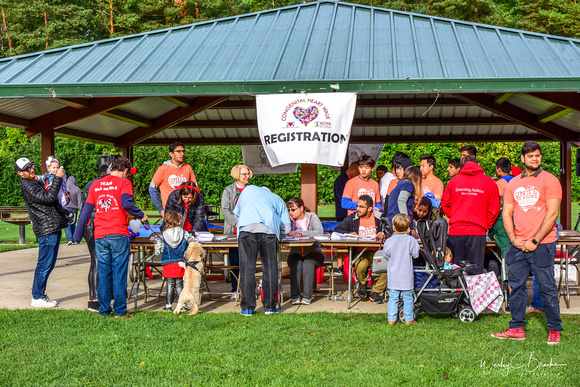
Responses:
[190,295]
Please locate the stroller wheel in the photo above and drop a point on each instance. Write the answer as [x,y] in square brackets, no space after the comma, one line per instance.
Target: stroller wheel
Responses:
[467,314]
[401,313]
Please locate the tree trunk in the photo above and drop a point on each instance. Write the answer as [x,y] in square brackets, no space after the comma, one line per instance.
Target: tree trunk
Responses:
[46,28]
[5,28]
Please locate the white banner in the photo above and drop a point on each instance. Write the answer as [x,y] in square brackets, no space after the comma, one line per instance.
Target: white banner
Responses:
[305,128]
[357,150]
[255,158]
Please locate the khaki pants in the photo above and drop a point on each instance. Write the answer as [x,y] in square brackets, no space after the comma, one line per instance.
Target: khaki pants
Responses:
[361,269]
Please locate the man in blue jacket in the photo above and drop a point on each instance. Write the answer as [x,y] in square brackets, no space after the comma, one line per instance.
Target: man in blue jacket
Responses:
[262,216]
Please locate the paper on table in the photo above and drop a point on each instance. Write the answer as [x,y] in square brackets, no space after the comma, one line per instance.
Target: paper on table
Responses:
[336,236]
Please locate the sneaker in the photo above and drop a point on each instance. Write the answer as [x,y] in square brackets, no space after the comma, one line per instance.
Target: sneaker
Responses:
[511,333]
[306,301]
[71,218]
[392,322]
[247,312]
[554,337]
[361,290]
[43,302]
[338,271]
[411,322]
[531,309]
[376,298]
[94,306]
[126,315]
[272,311]
[295,301]
[167,308]
[69,243]
[234,296]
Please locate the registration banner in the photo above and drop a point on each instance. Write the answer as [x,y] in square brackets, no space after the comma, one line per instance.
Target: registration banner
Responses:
[305,128]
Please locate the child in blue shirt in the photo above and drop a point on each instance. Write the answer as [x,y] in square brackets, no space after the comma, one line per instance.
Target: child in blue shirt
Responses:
[399,250]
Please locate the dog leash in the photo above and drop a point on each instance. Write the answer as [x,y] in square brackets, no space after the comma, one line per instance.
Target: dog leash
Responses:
[191,264]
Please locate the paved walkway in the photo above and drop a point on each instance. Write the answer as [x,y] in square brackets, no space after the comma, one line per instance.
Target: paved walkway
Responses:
[68,285]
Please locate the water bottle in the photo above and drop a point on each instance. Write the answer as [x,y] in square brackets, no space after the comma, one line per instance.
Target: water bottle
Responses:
[146,225]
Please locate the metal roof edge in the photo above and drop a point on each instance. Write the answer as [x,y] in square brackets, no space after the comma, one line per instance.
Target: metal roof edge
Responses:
[302,5]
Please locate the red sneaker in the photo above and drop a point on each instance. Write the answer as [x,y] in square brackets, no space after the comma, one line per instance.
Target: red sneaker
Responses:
[511,333]
[554,337]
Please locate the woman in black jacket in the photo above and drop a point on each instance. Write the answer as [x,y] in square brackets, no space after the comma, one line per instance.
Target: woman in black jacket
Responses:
[189,202]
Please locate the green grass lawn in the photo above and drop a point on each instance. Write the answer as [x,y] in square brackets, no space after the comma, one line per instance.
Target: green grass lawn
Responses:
[66,347]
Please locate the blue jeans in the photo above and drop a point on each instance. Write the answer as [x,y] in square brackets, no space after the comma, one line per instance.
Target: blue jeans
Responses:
[47,253]
[541,262]
[537,301]
[407,304]
[70,230]
[113,256]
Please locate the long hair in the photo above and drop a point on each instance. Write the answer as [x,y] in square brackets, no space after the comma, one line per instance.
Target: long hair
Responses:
[413,174]
[172,219]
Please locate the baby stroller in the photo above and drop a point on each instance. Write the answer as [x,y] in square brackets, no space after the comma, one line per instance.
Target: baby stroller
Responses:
[450,295]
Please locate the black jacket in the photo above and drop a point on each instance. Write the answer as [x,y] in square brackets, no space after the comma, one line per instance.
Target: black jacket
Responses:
[42,206]
[195,212]
[352,223]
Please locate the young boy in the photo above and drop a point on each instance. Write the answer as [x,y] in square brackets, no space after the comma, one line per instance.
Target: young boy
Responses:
[361,185]
[399,250]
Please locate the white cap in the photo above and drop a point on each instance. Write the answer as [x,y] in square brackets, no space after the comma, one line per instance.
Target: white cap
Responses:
[21,164]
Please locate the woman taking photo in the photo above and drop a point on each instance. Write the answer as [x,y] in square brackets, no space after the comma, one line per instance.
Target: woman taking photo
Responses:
[241,175]
[303,261]
[189,202]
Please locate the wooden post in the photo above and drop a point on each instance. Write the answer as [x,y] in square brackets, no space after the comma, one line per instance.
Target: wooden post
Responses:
[566,182]
[46,144]
[309,186]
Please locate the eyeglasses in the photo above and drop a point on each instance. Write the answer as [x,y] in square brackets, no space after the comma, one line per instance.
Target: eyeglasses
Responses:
[293,209]
[30,168]
[179,151]
[358,206]
[244,174]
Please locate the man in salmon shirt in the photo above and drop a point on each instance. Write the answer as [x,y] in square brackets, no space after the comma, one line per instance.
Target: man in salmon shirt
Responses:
[361,185]
[169,176]
[531,206]
[112,198]
[471,202]
[431,183]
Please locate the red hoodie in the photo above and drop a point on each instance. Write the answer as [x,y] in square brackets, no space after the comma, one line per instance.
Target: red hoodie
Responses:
[470,201]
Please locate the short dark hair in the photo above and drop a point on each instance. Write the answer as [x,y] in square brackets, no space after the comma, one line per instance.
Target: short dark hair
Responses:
[382,168]
[455,162]
[367,199]
[467,158]
[530,146]
[430,159]
[175,145]
[504,164]
[366,160]
[470,149]
[396,157]
[121,163]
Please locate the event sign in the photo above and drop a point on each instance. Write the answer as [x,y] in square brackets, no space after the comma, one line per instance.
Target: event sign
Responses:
[305,128]
[255,158]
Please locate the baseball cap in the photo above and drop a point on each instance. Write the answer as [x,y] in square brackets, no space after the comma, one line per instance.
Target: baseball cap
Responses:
[21,164]
[405,163]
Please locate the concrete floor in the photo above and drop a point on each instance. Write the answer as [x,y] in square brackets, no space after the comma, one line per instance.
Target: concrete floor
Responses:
[68,285]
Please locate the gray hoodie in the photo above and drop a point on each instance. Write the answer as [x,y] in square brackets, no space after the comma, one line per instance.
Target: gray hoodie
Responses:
[173,237]
[74,197]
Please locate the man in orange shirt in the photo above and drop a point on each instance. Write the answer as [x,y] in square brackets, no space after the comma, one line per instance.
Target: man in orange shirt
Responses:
[531,206]
[169,176]
[361,185]
[431,183]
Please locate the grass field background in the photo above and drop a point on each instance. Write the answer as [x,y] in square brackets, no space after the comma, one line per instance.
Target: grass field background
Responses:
[66,347]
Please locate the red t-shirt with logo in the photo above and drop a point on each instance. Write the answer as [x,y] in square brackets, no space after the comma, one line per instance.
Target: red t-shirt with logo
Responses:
[528,195]
[105,195]
[357,187]
[169,177]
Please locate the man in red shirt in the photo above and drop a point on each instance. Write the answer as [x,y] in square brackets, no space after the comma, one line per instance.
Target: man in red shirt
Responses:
[531,206]
[112,198]
[471,202]
[169,176]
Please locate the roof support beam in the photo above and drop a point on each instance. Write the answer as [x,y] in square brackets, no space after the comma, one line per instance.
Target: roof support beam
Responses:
[77,103]
[520,116]
[569,100]
[70,115]
[501,98]
[168,119]
[14,122]
[360,122]
[554,113]
[134,119]
[353,140]
[180,101]
[84,136]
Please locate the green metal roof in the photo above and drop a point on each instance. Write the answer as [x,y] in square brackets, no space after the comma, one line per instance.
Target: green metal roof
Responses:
[303,47]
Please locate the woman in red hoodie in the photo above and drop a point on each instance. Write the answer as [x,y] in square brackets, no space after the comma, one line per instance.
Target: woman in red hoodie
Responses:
[471,203]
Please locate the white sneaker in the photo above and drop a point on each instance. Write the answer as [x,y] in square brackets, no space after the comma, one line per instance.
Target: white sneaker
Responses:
[69,243]
[44,302]
[234,296]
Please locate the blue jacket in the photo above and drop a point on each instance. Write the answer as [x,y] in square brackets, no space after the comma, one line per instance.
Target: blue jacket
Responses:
[259,205]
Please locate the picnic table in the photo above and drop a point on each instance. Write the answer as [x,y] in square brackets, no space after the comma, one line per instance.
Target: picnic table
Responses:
[21,219]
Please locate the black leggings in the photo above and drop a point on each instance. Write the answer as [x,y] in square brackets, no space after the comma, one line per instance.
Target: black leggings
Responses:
[89,236]
[173,285]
